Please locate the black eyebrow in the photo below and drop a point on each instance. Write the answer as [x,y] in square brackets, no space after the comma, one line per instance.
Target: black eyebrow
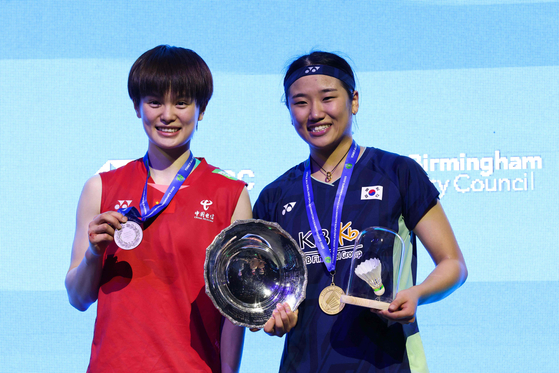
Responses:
[325,90]
[298,95]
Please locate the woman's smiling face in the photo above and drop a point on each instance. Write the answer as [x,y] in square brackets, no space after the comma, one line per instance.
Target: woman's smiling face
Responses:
[169,122]
[321,110]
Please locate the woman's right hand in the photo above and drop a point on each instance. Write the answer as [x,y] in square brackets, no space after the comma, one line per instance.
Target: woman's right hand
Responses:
[101,231]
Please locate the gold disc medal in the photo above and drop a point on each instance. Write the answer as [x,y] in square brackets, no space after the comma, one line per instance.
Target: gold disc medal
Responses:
[329,300]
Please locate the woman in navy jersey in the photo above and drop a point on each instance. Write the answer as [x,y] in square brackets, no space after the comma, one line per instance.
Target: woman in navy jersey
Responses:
[142,231]
[324,202]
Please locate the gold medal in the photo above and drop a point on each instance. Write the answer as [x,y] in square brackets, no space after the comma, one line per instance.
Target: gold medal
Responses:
[329,300]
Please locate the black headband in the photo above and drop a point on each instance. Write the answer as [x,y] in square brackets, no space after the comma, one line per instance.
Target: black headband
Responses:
[319,70]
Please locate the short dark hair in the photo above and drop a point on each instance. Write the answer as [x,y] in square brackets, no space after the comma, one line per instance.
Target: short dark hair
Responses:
[166,69]
[319,58]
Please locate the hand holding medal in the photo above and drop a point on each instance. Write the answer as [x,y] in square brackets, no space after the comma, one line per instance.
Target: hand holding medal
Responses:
[131,233]
[101,231]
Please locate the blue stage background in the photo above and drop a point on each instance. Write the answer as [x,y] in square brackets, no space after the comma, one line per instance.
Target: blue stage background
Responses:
[446,82]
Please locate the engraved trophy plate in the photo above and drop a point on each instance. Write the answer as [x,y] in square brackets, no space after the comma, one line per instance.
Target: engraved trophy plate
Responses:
[376,266]
[250,267]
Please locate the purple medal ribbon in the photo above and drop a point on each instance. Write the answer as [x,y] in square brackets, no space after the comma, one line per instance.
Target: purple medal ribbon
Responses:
[178,180]
[329,256]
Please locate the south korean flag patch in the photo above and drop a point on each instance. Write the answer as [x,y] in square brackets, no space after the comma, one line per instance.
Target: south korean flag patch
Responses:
[371,192]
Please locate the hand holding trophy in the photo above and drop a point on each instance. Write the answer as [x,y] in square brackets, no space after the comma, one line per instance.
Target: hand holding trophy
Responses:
[250,267]
[376,268]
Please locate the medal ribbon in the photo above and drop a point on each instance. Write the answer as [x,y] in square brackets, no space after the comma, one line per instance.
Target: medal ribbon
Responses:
[329,255]
[178,180]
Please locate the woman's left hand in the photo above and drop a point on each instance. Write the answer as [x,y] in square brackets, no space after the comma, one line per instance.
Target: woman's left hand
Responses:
[281,322]
[403,307]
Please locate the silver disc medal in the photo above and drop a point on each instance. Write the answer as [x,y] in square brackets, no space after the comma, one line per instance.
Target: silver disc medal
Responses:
[129,236]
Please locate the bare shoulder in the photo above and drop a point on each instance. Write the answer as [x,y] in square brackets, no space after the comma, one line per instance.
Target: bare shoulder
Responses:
[243,210]
[90,199]
[437,236]
[89,207]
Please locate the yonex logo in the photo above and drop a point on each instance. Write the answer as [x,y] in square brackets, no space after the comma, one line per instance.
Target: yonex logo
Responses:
[312,69]
[288,207]
[180,178]
[206,203]
[122,204]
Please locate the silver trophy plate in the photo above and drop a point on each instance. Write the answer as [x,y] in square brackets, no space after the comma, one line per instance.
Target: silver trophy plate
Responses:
[250,267]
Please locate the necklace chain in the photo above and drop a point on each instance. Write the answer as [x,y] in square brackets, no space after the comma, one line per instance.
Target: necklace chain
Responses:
[328,174]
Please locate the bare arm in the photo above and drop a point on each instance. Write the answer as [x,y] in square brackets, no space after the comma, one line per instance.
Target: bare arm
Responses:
[243,210]
[232,336]
[232,339]
[94,232]
[449,274]
[450,271]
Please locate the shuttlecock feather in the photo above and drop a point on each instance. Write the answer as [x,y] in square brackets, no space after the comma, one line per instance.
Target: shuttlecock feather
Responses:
[370,271]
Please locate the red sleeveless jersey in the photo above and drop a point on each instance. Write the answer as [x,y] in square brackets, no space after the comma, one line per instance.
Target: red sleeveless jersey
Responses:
[153,314]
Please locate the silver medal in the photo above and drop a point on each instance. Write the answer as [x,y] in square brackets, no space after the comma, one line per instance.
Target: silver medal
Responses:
[129,236]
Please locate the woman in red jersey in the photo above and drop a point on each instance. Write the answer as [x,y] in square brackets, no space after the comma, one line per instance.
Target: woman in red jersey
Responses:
[142,231]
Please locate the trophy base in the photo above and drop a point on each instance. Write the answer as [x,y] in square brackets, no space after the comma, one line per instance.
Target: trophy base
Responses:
[364,302]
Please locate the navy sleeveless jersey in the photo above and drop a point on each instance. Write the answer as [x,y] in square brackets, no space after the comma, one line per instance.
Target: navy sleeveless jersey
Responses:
[385,190]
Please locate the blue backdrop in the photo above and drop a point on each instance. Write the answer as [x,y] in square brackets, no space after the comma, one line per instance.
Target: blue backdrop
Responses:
[468,88]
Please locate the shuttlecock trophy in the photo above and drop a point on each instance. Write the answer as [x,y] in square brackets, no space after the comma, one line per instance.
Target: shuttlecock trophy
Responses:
[370,271]
[376,266]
